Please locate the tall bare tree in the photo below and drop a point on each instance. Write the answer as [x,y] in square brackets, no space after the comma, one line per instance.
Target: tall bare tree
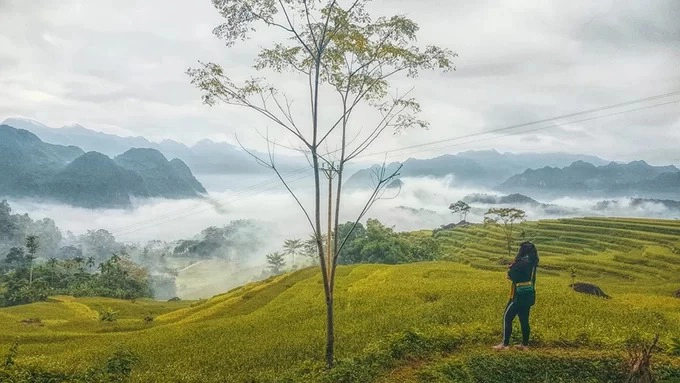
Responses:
[345,58]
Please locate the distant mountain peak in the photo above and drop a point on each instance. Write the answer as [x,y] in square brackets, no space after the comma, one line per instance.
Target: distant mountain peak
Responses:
[73,125]
[582,164]
[21,122]
[640,163]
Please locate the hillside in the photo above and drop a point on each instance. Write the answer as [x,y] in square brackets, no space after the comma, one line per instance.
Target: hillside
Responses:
[30,167]
[26,161]
[94,180]
[486,168]
[163,178]
[583,178]
[402,323]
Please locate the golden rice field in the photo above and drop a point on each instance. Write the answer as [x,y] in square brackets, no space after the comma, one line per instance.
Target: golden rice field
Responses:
[423,322]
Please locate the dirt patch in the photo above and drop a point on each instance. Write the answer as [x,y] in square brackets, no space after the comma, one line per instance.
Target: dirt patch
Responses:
[590,289]
[677,294]
[32,322]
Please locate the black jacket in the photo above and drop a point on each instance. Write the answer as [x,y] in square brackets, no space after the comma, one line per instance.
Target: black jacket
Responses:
[520,271]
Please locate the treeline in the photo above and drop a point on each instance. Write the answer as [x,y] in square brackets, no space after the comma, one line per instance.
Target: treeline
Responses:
[373,243]
[22,281]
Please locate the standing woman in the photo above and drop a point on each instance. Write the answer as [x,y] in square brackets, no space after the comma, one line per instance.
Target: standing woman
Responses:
[522,273]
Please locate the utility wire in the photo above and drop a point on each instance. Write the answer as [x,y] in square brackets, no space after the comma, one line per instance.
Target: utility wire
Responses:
[258,188]
[614,106]
[508,134]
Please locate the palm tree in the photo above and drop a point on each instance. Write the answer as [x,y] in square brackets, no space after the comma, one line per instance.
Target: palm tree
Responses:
[292,247]
[276,262]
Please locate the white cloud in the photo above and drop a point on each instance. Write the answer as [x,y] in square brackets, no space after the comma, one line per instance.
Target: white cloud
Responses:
[119,66]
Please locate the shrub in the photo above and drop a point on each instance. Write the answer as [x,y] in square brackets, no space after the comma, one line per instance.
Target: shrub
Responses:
[640,359]
[108,315]
[675,347]
[526,367]
[119,365]
[11,355]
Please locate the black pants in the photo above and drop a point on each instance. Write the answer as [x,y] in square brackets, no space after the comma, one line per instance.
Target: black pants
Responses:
[511,311]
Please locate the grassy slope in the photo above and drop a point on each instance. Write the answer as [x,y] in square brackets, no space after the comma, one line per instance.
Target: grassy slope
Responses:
[268,329]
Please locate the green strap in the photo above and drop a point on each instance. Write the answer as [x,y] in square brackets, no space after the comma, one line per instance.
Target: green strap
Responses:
[533,276]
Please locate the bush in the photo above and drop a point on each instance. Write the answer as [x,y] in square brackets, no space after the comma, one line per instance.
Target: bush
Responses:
[675,347]
[117,369]
[385,355]
[11,355]
[527,367]
[108,315]
[119,365]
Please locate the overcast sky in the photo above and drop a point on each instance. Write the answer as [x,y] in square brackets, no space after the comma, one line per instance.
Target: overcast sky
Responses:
[118,66]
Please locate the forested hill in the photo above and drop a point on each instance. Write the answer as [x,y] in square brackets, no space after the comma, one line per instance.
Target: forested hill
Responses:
[31,168]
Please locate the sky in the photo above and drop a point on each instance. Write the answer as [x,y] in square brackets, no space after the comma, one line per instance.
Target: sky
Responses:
[119,67]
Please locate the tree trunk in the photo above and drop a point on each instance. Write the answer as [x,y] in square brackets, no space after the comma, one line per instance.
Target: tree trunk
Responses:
[30,275]
[330,332]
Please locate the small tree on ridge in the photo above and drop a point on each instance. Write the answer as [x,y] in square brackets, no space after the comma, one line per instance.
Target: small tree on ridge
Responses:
[505,218]
[462,208]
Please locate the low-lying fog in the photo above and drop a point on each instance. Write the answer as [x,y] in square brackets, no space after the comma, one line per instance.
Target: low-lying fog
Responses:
[420,204]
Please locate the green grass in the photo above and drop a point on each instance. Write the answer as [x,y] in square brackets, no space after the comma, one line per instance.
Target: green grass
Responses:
[263,332]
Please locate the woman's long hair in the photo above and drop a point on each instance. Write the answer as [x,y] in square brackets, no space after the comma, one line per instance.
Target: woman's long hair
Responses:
[528,251]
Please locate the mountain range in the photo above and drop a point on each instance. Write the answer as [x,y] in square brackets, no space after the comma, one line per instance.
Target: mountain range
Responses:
[637,178]
[205,157]
[485,168]
[30,167]
[549,175]
[536,174]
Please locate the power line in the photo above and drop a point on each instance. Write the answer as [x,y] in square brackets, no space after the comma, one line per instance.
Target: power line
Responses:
[511,127]
[141,225]
[509,134]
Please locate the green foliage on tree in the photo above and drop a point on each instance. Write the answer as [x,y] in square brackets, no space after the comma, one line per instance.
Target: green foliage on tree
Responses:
[461,208]
[378,243]
[118,277]
[505,218]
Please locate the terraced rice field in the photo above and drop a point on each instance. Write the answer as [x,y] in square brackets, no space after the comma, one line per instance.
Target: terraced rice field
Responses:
[412,323]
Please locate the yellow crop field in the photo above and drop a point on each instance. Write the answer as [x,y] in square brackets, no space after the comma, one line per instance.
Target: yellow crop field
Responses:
[419,322]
